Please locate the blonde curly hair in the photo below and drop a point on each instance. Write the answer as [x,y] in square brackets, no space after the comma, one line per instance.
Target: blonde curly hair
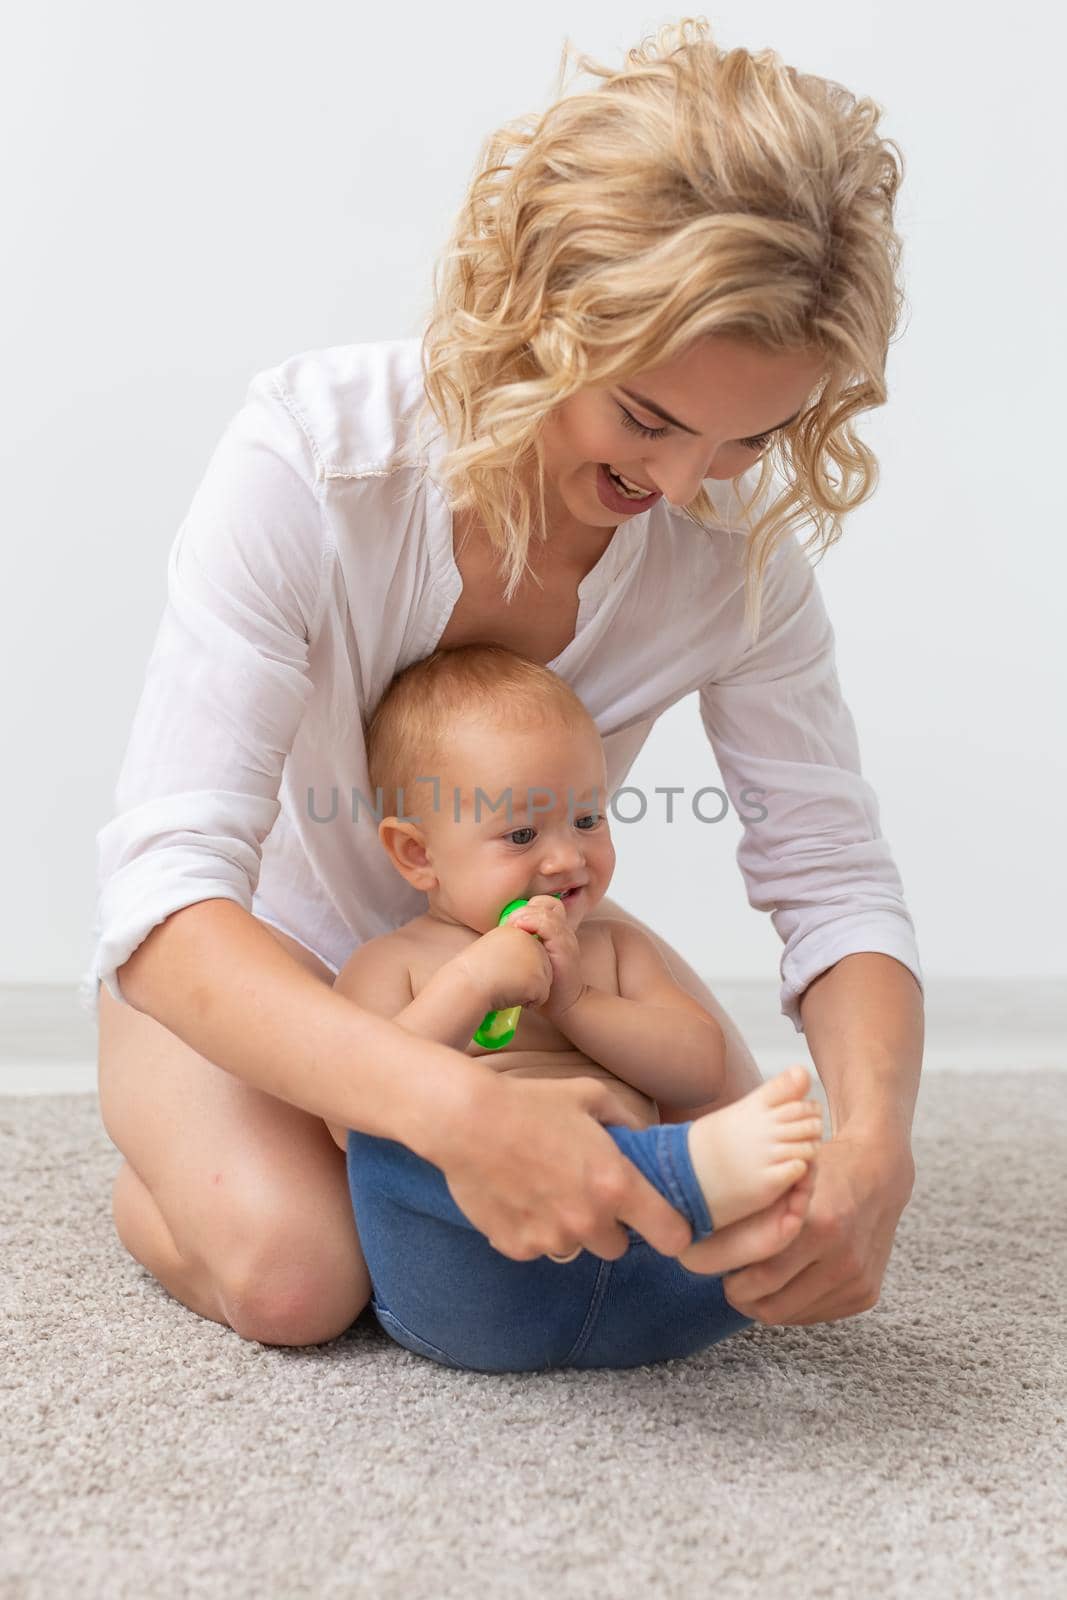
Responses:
[765,215]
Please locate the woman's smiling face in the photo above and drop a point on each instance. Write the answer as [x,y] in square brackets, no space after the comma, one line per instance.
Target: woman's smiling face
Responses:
[726,400]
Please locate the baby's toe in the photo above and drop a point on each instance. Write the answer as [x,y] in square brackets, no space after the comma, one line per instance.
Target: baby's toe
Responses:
[787,1086]
[800,1108]
[805,1150]
[787,1127]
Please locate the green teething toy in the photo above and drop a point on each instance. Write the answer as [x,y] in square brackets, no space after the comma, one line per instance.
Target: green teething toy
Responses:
[498,1028]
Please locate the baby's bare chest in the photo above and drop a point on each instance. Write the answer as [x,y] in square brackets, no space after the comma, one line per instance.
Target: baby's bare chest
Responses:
[539,1049]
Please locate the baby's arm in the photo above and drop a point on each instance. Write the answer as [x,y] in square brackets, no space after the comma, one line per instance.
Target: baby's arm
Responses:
[652,1034]
[448,1007]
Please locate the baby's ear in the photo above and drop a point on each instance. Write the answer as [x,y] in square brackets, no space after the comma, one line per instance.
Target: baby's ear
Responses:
[403,844]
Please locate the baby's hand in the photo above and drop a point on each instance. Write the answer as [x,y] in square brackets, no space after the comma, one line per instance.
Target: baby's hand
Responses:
[508,967]
[545,916]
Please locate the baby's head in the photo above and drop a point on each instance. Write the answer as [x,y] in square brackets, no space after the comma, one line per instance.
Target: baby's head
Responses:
[519,806]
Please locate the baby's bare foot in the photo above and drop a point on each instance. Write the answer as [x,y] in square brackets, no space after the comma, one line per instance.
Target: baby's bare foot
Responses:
[754,1238]
[747,1154]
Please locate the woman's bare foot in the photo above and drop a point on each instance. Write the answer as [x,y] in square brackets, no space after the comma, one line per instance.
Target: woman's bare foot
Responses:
[747,1154]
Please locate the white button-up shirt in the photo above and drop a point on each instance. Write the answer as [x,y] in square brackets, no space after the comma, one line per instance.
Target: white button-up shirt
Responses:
[313,566]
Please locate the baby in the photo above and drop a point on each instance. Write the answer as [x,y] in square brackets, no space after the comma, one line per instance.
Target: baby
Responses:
[494,788]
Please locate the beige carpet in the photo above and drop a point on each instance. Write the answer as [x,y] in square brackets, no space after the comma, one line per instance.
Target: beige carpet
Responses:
[917,1450]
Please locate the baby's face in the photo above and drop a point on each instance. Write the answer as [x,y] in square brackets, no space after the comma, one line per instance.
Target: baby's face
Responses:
[554,837]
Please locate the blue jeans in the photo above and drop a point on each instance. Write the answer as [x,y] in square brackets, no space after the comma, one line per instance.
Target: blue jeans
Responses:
[441,1290]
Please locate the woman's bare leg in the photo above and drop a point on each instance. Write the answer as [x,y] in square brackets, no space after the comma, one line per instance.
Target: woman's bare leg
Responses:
[140,1226]
[237,1202]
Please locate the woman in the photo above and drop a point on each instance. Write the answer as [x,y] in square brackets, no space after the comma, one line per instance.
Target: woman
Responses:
[709,231]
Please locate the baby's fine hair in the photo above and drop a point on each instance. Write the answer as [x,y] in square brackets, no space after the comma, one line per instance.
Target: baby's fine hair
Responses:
[408,733]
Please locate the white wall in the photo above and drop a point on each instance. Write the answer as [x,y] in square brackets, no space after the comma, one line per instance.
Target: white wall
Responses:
[193,193]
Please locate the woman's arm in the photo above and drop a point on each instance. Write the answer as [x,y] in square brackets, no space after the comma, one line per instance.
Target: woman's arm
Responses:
[222,983]
[226,686]
[814,856]
[812,852]
[863,1020]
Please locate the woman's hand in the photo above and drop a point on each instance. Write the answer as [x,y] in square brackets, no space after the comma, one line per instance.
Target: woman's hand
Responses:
[545,916]
[834,1267]
[508,967]
[530,1166]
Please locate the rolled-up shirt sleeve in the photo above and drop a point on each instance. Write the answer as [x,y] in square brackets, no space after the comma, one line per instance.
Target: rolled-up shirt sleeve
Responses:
[812,852]
[225,687]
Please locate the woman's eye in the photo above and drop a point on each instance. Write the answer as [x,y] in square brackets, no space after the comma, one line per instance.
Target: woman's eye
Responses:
[639,427]
[511,836]
[632,423]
